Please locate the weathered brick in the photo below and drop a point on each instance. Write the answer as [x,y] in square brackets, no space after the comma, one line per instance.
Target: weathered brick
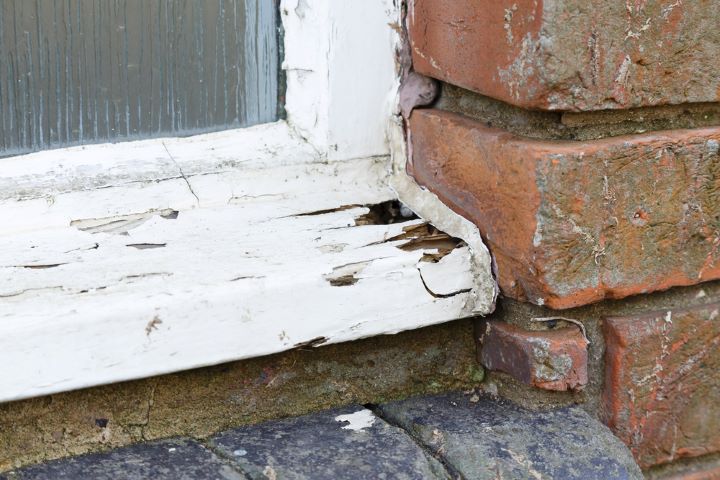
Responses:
[570,223]
[571,54]
[547,359]
[661,385]
[706,474]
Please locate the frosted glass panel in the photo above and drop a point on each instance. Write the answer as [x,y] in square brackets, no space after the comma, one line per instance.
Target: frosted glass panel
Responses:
[88,71]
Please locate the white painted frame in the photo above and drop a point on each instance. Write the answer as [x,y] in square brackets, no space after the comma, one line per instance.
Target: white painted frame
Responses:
[257,230]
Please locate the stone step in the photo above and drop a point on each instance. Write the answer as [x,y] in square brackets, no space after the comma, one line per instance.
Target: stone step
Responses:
[486,438]
[457,435]
[179,459]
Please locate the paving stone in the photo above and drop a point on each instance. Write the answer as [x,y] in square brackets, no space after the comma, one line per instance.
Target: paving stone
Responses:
[177,459]
[489,439]
[347,443]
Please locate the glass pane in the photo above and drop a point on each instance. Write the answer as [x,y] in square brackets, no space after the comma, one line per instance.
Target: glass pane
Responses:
[89,71]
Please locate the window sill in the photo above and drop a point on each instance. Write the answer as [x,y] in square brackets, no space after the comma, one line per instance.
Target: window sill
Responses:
[131,260]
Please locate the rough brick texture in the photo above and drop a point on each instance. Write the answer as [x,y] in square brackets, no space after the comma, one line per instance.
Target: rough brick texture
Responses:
[572,55]
[707,474]
[548,359]
[570,223]
[662,386]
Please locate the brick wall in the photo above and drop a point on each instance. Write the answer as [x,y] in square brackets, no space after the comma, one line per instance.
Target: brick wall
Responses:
[582,137]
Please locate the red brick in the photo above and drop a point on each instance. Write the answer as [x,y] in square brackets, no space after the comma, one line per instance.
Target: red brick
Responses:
[662,389]
[572,55]
[571,223]
[708,474]
[547,359]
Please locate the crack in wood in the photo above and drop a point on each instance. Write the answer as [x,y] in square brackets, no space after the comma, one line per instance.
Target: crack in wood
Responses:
[219,245]
[425,236]
[182,174]
[94,246]
[40,266]
[325,211]
[386,213]
[134,277]
[27,290]
[441,295]
[247,277]
[146,246]
[315,342]
[383,213]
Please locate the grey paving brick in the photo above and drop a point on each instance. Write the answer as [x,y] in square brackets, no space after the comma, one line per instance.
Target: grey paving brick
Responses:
[490,439]
[177,459]
[328,445]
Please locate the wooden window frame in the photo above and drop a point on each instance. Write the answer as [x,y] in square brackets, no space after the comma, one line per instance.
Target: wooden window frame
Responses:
[134,259]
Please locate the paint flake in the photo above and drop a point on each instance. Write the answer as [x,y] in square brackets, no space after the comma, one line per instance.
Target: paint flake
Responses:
[357,421]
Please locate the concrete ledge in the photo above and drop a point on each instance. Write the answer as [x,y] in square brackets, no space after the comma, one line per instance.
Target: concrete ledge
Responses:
[199,403]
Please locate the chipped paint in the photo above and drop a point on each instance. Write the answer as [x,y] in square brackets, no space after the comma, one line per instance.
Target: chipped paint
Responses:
[357,421]
[99,268]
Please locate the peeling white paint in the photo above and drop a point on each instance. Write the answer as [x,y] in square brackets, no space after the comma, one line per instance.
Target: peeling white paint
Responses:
[443,278]
[129,260]
[425,204]
[483,288]
[241,254]
[357,421]
[340,74]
